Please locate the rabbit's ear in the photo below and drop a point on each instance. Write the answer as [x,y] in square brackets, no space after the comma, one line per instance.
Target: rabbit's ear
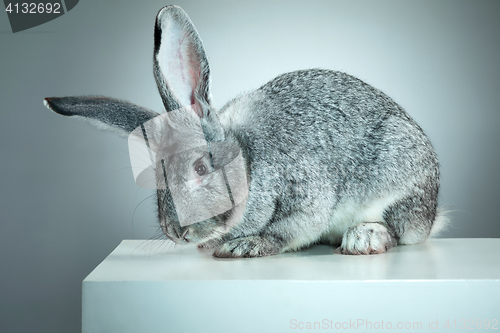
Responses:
[106,113]
[180,64]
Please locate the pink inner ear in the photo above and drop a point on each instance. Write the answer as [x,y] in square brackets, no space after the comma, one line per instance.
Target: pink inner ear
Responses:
[183,70]
[192,71]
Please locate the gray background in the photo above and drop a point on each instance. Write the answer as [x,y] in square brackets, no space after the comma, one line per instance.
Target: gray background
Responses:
[67,193]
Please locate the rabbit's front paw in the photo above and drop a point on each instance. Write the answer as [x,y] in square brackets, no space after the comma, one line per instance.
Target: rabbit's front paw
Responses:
[252,246]
[366,238]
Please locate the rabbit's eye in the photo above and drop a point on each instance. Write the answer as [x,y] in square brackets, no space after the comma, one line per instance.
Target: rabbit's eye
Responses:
[200,168]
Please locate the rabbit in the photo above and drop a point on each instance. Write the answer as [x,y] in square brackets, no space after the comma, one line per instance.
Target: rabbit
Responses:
[327,158]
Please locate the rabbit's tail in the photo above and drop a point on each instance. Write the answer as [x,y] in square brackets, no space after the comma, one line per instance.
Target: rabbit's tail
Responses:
[441,222]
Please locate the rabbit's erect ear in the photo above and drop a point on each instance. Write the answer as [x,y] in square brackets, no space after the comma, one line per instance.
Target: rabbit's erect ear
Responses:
[180,64]
[107,113]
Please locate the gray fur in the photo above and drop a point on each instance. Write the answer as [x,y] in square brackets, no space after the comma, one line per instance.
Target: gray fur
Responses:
[108,113]
[326,154]
[318,141]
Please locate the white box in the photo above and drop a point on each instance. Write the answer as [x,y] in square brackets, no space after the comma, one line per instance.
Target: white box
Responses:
[148,286]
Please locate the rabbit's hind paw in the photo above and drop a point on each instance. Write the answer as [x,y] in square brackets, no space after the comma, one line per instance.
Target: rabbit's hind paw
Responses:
[366,238]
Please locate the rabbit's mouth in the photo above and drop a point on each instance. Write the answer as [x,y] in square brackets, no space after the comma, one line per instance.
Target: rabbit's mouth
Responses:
[176,234]
[179,240]
[196,233]
[203,231]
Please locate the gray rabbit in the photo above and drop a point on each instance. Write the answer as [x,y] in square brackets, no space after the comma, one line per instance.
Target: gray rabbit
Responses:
[328,158]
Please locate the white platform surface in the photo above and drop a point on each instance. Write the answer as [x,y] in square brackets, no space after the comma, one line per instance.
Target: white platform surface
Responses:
[442,285]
